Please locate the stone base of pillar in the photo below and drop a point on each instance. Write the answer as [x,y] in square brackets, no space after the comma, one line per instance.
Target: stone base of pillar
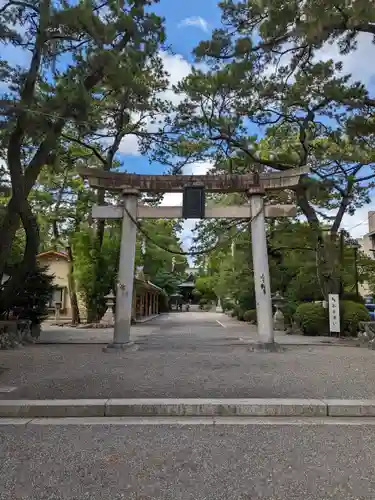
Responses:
[266,347]
[118,347]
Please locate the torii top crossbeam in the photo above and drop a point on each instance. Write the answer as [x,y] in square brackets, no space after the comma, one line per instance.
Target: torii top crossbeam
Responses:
[117,181]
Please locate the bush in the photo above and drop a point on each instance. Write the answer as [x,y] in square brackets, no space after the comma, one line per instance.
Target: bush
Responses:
[227,305]
[233,313]
[352,297]
[203,303]
[312,319]
[240,313]
[304,287]
[289,309]
[351,314]
[31,302]
[250,316]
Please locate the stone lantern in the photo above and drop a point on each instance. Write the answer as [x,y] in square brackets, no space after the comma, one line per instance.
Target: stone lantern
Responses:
[278,318]
[109,317]
[57,310]
[219,307]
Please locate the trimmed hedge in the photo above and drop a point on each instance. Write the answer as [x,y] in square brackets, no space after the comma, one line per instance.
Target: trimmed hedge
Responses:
[351,314]
[352,297]
[250,316]
[240,314]
[312,319]
[227,305]
[289,309]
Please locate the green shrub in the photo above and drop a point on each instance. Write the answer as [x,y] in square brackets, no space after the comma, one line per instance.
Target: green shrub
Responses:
[203,303]
[250,316]
[352,297]
[227,305]
[351,314]
[233,313]
[240,314]
[312,319]
[304,287]
[289,309]
[31,302]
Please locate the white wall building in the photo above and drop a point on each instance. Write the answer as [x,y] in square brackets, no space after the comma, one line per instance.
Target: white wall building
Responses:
[367,243]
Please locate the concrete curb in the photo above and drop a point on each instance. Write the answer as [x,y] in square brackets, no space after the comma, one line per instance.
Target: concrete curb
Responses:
[61,408]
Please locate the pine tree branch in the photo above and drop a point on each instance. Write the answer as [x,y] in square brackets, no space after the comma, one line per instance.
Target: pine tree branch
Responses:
[93,149]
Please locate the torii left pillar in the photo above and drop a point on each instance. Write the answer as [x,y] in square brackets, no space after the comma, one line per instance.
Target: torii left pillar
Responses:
[125,281]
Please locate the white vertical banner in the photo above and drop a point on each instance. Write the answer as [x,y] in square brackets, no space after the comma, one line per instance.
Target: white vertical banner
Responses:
[334,312]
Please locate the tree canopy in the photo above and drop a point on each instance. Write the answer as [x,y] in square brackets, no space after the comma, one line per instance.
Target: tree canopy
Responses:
[261,98]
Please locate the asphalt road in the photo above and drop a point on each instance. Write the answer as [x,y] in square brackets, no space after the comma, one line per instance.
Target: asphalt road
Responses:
[187,462]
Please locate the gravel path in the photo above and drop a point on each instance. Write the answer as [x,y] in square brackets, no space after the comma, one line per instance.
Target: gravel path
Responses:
[195,359]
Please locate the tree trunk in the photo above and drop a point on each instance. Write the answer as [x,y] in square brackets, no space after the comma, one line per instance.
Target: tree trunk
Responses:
[93,313]
[327,255]
[17,279]
[76,320]
[328,266]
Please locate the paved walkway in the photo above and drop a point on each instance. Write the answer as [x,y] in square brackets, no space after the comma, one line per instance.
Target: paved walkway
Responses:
[179,328]
[176,358]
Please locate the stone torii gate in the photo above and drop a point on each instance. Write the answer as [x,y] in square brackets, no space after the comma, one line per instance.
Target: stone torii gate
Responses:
[131,185]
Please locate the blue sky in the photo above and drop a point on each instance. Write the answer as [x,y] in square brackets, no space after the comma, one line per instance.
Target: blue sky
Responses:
[184,37]
[187,23]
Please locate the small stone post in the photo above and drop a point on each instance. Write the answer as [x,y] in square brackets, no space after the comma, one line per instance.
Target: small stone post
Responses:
[261,270]
[124,292]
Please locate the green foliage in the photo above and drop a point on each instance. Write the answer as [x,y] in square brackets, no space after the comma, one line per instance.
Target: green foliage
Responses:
[31,301]
[155,258]
[248,86]
[289,309]
[352,297]
[167,281]
[205,304]
[239,313]
[95,271]
[227,305]
[304,287]
[312,319]
[205,286]
[351,314]
[250,316]
[113,82]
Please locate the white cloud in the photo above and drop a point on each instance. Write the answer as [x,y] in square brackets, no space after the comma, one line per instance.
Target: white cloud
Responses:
[196,21]
[355,63]
[178,68]
[129,146]
[198,168]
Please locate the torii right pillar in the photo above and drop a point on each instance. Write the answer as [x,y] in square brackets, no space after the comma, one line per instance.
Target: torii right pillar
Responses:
[262,281]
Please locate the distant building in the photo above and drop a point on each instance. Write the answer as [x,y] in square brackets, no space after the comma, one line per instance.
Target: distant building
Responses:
[186,287]
[367,244]
[146,297]
[192,270]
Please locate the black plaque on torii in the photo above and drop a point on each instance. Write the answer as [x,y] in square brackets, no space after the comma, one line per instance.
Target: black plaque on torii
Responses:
[193,202]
